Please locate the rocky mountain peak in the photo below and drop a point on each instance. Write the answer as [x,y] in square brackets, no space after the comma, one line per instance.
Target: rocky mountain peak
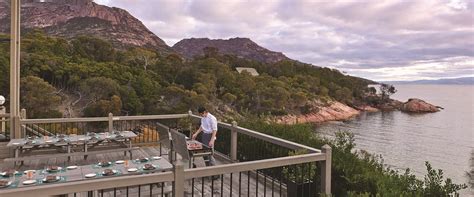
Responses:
[70,18]
[241,47]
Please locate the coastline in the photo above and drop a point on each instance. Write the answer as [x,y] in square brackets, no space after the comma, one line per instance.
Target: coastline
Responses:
[334,111]
[337,111]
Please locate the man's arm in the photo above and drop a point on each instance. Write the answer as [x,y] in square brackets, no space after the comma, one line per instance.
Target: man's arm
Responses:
[197,133]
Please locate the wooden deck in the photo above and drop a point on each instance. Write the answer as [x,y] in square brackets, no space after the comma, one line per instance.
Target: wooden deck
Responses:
[223,186]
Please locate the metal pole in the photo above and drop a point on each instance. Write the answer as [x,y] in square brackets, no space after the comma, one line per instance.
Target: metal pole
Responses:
[15,69]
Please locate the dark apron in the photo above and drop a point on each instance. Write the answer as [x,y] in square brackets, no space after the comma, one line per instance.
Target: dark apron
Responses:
[205,139]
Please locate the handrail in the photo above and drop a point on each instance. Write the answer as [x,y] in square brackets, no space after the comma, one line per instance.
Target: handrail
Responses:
[253,165]
[89,185]
[265,137]
[255,134]
[102,119]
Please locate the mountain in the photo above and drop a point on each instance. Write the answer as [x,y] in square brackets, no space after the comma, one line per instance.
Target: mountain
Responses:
[240,47]
[71,18]
[452,81]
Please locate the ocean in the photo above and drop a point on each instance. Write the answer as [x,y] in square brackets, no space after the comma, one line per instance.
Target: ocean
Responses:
[445,138]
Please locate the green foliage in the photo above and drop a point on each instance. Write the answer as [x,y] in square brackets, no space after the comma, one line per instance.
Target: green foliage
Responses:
[300,173]
[39,97]
[148,83]
[386,90]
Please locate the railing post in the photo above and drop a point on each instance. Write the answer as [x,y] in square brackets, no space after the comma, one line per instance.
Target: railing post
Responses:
[178,184]
[190,113]
[23,113]
[2,120]
[233,142]
[326,170]
[22,117]
[111,122]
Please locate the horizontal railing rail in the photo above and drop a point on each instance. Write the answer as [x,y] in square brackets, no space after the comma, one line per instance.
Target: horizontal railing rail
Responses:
[253,165]
[88,185]
[102,119]
[265,137]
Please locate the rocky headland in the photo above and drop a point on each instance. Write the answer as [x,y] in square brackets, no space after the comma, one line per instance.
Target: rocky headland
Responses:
[334,111]
[414,105]
[337,111]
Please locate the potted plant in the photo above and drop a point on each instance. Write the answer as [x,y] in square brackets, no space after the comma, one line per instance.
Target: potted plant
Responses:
[300,178]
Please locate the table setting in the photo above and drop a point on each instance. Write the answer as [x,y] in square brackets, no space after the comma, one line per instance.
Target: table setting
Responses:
[52,174]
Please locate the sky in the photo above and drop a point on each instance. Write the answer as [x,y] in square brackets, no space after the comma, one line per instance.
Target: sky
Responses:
[379,40]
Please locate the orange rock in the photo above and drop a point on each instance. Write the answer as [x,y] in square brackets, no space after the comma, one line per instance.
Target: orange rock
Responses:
[335,111]
[418,106]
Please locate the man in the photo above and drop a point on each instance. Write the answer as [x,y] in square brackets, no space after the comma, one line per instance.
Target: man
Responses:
[209,131]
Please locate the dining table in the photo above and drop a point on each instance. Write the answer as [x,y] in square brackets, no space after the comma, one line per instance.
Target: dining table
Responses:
[65,143]
[31,178]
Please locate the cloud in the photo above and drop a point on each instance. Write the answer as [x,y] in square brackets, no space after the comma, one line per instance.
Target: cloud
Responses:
[376,39]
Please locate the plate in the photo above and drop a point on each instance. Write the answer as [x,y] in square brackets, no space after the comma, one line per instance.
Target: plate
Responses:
[154,168]
[132,170]
[91,175]
[104,164]
[26,171]
[114,173]
[8,184]
[71,167]
[5,173]
[142,160]
[57,170]
[57,179]
[120,162]
[29,182]
[156,157]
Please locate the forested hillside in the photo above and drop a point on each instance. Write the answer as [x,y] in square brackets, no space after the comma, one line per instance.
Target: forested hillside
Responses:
[86,76]
[92,78]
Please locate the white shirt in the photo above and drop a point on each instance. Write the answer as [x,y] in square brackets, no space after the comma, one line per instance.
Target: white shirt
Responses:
[209,123]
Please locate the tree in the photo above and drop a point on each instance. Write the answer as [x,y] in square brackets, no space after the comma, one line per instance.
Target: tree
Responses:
[141,57]
[229,98]
[299,99]
[386,91]
[98,88]
[104,107]
[39,98]
[93,48]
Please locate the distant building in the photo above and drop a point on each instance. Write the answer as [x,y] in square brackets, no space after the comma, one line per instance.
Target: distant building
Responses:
[252,71]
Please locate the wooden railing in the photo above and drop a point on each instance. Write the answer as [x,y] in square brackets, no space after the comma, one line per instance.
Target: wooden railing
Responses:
[180,177]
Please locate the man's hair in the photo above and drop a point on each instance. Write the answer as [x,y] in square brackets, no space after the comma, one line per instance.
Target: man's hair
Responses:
[201,110]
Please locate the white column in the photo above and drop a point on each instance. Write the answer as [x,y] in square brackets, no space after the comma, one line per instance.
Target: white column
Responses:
[15,69]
